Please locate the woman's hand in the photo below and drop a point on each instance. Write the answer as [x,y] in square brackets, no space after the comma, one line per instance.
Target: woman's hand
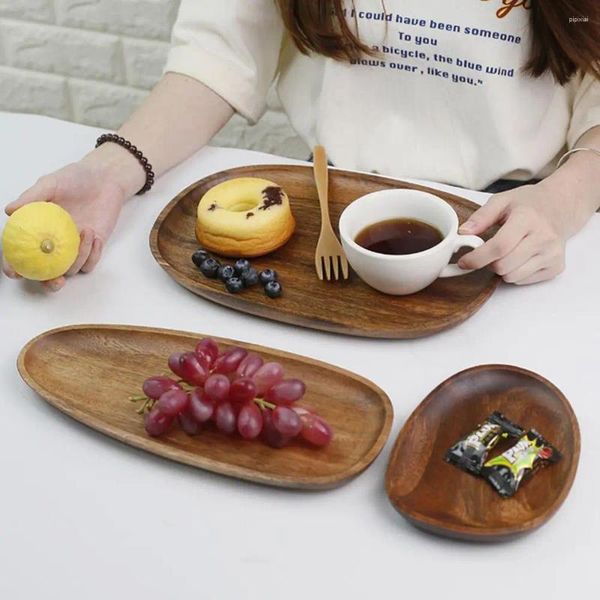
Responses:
[537,220]
[530,244]
[93,195]
[94,189]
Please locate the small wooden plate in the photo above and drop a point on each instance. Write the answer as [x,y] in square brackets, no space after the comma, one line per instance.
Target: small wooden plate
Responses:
[89,371]
[348,307]
[442,499]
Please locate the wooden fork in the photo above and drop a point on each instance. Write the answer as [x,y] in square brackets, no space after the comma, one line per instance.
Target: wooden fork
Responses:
[329,255]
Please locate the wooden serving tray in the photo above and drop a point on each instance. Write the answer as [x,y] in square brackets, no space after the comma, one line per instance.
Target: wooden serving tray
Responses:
[348,307]
[65,365]
[440,498]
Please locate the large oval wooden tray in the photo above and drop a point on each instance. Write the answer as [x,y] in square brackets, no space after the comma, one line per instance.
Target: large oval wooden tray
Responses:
[442,499]
[349,307]
[89,371]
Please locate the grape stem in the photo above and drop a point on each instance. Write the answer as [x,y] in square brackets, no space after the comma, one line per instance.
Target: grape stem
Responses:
[264,404]
[147,403]
[188,387]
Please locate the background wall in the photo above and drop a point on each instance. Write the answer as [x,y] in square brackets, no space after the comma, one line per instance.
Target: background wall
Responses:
[93,61]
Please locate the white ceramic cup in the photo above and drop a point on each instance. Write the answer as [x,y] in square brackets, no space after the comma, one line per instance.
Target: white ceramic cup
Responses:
[405,273]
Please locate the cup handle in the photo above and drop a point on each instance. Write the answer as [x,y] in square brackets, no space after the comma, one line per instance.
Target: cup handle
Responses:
[470,241]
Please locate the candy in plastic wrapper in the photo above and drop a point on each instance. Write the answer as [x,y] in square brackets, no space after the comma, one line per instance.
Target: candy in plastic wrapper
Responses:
[506,471]
[471,451]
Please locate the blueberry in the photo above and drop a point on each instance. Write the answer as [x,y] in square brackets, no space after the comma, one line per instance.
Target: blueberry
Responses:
[273,289]
[234,285]
[225,272]
[267,276]
[210,267]
[199,257]
[241,265]
[249,277]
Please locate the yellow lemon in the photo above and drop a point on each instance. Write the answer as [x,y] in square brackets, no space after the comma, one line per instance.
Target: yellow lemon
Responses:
[40,241]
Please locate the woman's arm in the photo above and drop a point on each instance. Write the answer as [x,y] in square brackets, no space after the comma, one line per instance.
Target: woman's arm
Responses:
[178,118]
[538,219]
[578,182]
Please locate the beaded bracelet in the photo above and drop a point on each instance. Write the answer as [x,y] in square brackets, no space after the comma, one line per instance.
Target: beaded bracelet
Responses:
[121,141]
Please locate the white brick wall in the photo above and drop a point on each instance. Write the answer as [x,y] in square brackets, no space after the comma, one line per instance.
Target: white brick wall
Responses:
[93,61]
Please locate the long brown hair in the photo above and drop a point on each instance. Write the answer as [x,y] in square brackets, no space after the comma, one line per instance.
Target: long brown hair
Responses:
[566,33]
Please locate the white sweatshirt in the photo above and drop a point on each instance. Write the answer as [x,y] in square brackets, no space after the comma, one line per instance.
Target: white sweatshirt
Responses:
[445,100]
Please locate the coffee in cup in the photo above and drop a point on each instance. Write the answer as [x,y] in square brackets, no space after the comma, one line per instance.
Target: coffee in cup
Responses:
[399,236]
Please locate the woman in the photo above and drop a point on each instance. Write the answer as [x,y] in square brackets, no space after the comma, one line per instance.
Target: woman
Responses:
[486,94]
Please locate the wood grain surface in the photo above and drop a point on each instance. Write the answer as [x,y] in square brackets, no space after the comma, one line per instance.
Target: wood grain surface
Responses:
[438,497]
[89,371]
[346,307]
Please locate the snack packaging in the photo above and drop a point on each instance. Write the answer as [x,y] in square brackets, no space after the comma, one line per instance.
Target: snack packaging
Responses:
[470,452]
[506,471]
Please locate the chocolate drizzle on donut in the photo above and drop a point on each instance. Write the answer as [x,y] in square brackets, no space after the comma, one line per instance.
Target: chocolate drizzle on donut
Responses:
[212,207]
[250,214]
[272,196]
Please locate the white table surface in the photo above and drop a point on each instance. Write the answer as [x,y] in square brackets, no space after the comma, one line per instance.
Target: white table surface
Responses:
[85,517]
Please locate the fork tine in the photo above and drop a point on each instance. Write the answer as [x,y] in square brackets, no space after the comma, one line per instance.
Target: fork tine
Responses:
[344,262]
[327,261]
[335,260]
[319,266]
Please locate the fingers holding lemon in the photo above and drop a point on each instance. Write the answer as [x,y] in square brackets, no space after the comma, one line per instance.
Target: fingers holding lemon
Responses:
[40,241]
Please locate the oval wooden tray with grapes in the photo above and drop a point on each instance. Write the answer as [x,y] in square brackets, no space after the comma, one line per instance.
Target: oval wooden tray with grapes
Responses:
[232,408]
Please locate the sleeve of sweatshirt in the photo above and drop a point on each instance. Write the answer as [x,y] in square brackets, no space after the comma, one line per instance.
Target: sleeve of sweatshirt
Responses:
[231,46]
[586,108]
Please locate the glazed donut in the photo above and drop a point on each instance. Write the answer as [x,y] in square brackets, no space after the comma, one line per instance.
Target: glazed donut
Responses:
[244,217]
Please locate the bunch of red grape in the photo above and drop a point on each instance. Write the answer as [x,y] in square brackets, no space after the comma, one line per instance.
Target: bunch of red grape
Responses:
[236,391]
